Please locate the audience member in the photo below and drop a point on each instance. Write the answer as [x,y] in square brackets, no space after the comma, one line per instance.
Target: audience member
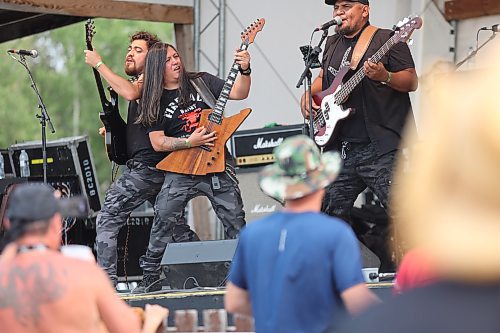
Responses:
[42,290]
[448,205]
[296,270]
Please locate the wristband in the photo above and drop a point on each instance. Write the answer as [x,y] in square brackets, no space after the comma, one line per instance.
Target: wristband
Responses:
[389,78]
[188,144]
[98,65]
[246,72]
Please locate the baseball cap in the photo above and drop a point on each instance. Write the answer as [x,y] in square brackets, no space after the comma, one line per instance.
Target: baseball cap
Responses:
[37,201]
[300,169]
[332,2]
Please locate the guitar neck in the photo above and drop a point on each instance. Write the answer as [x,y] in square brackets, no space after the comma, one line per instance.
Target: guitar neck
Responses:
[217,115]
[98,81]
[349,86]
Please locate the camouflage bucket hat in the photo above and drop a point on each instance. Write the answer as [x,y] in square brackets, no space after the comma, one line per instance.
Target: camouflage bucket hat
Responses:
[299,169]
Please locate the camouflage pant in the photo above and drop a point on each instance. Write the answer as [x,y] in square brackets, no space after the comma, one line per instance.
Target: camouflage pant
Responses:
[176,191]
[362,168]
[137,184]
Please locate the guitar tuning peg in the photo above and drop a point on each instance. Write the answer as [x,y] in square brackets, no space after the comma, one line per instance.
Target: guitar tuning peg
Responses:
[410,41]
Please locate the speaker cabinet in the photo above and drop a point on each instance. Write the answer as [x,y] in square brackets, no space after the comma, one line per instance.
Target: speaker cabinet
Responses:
[255,202]
[133,240]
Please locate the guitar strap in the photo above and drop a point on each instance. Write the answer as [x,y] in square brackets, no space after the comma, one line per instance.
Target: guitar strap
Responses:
[362,45]
[205,93]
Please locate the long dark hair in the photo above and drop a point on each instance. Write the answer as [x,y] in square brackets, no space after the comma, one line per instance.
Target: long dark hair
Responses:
[152,88]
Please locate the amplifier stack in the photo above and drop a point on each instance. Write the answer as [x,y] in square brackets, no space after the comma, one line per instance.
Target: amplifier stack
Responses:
[252,150]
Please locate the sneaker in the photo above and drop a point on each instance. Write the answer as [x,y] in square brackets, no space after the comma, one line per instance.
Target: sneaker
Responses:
[148,284]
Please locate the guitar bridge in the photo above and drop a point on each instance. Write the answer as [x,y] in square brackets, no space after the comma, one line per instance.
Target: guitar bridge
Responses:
[206,148]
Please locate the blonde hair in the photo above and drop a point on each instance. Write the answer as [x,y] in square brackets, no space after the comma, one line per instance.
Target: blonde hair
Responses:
[449,200]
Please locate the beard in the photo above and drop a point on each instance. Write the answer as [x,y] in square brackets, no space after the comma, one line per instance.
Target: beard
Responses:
[132,70]
[345,31]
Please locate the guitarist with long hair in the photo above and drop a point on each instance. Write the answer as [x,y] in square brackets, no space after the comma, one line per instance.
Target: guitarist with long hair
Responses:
[369,138]
[140,180]
[171,108]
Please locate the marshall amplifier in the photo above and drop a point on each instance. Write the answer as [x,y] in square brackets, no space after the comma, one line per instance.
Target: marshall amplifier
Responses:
[70,167]
[255,203]
[255,147]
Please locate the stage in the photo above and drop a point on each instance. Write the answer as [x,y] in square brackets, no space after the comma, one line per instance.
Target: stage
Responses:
[210,298]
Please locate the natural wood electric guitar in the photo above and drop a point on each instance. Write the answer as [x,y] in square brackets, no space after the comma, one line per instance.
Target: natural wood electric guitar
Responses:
[115,138]
[203,159]
[331,99]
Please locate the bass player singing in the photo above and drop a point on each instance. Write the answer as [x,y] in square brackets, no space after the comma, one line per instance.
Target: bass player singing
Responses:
[369,138]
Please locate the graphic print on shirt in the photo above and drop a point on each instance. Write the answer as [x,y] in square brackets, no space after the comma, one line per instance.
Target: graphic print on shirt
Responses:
[191,120]
[189,117]
[343,63]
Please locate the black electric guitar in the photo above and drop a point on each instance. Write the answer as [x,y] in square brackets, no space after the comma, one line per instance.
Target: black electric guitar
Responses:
[115,126]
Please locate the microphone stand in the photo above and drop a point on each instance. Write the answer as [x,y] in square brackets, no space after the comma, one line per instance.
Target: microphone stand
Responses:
[306,74]
[473,53]
[43,117]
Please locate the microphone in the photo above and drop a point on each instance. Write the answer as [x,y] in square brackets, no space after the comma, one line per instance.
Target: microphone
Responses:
[336,21]
[31,53]
[494,28]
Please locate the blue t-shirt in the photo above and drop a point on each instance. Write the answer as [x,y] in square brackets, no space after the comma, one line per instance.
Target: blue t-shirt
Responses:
[295,266]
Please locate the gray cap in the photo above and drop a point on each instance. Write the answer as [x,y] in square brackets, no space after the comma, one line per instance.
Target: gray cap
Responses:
[36,201]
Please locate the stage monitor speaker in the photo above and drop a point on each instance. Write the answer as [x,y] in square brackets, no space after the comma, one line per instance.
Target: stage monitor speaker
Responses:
[198,264]
[255,203]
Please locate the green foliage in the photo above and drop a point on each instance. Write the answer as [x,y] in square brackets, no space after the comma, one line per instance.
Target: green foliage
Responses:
[66,84]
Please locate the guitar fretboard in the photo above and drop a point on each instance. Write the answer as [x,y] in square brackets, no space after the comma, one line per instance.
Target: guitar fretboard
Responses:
[217,114]
[349,86]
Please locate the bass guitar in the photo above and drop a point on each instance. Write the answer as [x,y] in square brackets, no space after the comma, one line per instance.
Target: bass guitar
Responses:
[331,99]
[115,138]
[203,159]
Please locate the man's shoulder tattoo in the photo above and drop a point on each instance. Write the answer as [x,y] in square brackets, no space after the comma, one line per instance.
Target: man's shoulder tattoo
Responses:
[25,289]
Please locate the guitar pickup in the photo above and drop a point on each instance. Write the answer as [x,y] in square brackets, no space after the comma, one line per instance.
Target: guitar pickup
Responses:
[206,148]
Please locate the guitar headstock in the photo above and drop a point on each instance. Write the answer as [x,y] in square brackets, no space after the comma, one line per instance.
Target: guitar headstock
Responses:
[248,35]
[89,33]
[405,28]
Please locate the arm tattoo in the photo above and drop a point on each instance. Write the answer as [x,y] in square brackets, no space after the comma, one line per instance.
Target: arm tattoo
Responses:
[25,289]
[172,144]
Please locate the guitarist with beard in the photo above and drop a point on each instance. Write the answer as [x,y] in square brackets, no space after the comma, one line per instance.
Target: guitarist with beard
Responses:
[168,94]
[140,180]
[369,138]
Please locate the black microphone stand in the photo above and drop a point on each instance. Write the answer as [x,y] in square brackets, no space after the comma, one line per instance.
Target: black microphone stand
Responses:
[474,52]
[307,74]
[43,117]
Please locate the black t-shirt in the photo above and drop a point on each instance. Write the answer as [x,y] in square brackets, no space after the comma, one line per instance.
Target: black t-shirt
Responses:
[139,146]
[380,111]
[440,308]
[181,122]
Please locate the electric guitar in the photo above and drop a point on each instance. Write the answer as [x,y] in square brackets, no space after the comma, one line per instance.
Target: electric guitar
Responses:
[116,129]
[202,160]
[331,99]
